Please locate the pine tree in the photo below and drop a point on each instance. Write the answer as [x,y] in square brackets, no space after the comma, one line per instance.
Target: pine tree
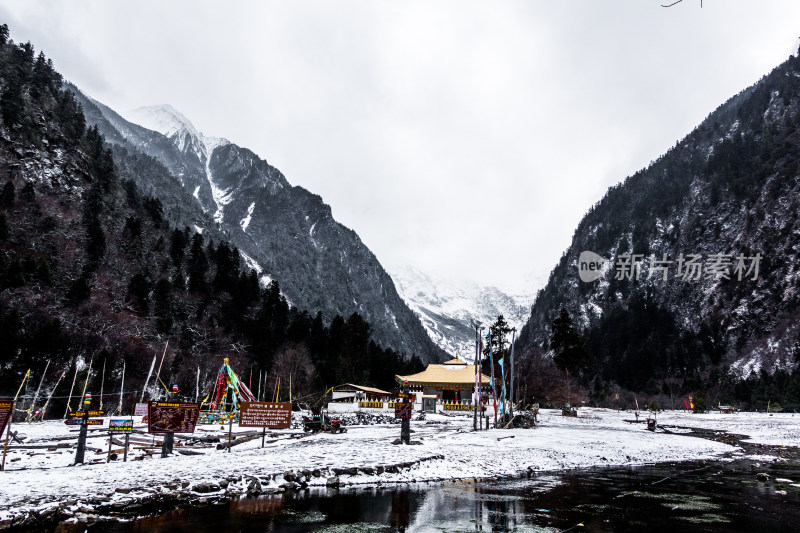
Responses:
[198,266]
[568,346]
[162,305]
[7,195]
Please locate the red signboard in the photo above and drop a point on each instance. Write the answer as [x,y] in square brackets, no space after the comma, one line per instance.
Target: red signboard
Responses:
[273,415]
[403,410]
[5,414]
[172,417]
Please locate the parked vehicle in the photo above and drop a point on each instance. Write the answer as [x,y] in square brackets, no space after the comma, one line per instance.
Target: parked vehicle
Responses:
[322,422]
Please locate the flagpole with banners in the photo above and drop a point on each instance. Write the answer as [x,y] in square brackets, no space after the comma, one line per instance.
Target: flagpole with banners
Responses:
[491,365]
[476,395]
[72,388]
[36,395]
[511,356]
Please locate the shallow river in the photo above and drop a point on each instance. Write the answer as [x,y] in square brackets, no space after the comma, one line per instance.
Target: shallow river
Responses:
[713,496]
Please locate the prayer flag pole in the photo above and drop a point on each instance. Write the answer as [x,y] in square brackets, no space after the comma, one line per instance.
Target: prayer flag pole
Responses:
[72,388]
[121,388]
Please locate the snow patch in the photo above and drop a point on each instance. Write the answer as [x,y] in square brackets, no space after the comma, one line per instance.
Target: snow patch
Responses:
[246,220]
[181,132]
[252,264]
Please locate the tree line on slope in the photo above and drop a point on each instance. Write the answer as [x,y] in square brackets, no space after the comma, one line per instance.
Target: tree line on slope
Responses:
[91,271]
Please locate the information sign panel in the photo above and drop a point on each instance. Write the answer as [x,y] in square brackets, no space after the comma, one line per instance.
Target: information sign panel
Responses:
[80,421]
[5,414]
[172,417]
[273,415]
[121,425]
[140,409]
[403,410]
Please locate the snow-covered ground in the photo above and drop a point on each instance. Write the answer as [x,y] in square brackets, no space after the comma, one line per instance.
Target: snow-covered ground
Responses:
[781,429]
[41,478]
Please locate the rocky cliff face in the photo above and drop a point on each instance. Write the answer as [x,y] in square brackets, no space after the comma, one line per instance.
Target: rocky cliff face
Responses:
[711,231]
[284,232]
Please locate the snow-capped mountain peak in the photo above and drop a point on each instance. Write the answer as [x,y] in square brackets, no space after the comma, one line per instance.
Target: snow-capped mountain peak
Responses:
[174,125]
[448,308]
[164,119]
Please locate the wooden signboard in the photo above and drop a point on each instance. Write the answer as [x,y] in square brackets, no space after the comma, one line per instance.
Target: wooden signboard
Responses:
[123,425]
[81,414]
[5,414]
[273,415]
[172,417]
[403,410]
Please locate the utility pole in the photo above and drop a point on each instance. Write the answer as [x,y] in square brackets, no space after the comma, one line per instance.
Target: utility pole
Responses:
[405,422]
[480,342]
[513,338]
[476,398]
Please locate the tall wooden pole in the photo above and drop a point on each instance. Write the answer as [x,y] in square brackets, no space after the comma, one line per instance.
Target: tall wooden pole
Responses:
[147,380]
[11,418]
[88,374]
[513,338]
[72,388]
[158,374]
[121,388]
[102,384]
[36,395]
[24,379]
[476,397]
[480,371]
[44,408]
[491,365]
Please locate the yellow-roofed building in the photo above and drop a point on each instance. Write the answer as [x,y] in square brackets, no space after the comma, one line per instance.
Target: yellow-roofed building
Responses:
[451,384]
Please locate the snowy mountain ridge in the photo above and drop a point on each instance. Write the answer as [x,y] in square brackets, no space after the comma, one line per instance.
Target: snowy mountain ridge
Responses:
[174,125]
[284,232]
[448,308]
[726,195]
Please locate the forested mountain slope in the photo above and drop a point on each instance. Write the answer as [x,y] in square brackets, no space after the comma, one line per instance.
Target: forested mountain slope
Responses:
[92,271]
[729,192]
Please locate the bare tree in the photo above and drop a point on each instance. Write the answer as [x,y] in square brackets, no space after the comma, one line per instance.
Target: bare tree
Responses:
[293,365]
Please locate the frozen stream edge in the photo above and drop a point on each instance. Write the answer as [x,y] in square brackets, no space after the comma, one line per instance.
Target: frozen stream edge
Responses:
[49,489]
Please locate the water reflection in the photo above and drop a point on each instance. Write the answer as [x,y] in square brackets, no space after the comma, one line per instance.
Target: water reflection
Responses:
[716,497]
[400,511]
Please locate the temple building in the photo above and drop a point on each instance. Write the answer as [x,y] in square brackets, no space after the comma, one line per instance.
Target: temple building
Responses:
[450,384]
[350,392]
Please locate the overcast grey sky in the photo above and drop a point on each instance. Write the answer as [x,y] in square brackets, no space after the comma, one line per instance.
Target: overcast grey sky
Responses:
[465,138]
